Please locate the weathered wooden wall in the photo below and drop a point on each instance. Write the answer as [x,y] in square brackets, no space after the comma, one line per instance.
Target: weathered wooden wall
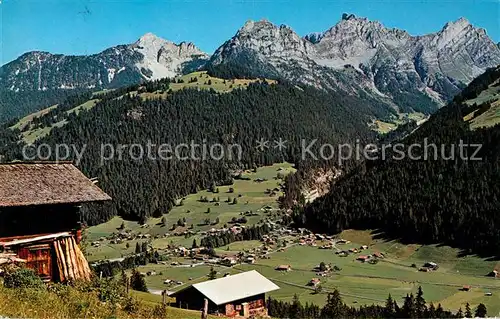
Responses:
[39,258]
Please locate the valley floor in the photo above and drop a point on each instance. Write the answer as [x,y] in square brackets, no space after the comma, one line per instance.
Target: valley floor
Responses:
[358,282]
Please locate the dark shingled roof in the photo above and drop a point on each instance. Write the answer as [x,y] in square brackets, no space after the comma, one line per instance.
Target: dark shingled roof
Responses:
[23,184]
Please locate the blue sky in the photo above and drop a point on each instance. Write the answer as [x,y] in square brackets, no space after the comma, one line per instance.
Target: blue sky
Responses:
[86,27]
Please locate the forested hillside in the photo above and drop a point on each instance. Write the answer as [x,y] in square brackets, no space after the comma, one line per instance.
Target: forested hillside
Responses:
[147,187]
[445,200]
[15,104]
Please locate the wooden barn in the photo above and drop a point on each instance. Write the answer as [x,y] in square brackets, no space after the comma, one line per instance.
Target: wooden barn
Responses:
[236,295]
[40,218]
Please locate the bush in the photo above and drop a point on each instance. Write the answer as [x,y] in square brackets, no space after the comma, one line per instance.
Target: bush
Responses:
[131,305]
[109,290]
[160,311]
[137,281]
[22,278]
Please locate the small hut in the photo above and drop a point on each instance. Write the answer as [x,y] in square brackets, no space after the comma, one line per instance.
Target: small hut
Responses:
[284,268]
[40,217]
[241,295]
[314,282]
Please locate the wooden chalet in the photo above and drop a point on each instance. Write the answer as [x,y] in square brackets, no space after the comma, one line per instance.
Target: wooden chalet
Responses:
[40,219]
[240,295]
[283,268]
[363,258]
[314,282]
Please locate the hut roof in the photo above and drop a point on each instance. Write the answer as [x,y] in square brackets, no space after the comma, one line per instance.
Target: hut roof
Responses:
[235,287]
[26,184]
[283,267]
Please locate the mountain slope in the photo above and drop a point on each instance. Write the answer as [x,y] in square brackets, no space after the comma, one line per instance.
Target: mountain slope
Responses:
[360,54]
[447,199]
[38,79]
[149,58]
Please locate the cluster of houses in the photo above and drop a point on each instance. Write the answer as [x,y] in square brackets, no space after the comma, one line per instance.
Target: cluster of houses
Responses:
[309,239]
[328,268]
[371,258]
[172,282]
[122,236]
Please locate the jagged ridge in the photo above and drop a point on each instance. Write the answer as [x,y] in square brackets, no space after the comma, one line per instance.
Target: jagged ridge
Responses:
[389,62]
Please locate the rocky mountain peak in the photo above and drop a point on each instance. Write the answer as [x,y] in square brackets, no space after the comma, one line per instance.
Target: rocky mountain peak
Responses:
[150,40]
[151,43]
[433,67]
[150,58]
[252,27]
[458,24]
[268,39]
[150,37]
[264,29]
[348,16]
[359,28]
[452,32]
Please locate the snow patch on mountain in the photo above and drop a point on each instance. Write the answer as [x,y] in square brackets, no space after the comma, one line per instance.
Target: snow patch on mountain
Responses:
[111,74]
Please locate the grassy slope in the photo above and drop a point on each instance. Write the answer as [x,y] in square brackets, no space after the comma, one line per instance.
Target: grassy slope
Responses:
[383,127]
[16,303]
[27,119]
[490,117]
[31,134]
[359,283]
[252,198]
[395,275]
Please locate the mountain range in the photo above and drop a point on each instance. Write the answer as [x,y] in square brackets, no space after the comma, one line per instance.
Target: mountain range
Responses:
[149,58]
[356,57]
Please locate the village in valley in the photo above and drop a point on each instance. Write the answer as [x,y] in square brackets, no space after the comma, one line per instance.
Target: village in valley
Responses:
[301,263]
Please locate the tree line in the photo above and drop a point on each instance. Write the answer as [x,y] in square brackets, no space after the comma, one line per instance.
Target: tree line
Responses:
[250,233]
[412,307]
